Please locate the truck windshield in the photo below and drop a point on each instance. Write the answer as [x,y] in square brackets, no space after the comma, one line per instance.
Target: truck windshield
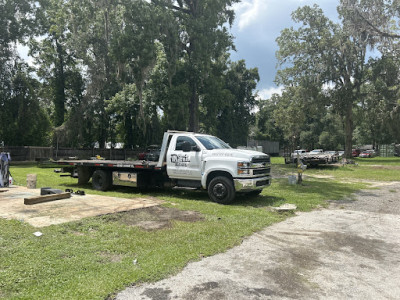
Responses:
[212,142]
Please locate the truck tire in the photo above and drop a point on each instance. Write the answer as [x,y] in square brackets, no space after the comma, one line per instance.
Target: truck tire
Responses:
[221,190]
[101,180]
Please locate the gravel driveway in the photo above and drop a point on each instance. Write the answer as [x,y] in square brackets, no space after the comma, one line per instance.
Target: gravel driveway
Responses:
[351,250]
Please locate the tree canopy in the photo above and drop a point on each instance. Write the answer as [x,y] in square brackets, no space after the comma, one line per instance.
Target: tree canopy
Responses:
[334,94]
[124,71]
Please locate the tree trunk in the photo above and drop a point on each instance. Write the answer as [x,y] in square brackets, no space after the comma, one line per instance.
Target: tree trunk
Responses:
[129,131]
[194,108]
[141,122]
[348,126]
[59,101]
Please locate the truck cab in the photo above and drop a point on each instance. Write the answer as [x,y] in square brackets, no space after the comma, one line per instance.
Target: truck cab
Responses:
[204,161]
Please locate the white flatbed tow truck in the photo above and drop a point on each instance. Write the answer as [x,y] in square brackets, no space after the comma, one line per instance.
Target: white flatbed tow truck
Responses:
[187,160]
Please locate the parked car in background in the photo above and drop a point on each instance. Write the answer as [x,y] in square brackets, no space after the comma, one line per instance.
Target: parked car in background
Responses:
[301,151]
[319,157]
[152,153]
[316,151]
[340,154]
[332,152]
[333,156]
[296,153]
[367,154]
[356,152]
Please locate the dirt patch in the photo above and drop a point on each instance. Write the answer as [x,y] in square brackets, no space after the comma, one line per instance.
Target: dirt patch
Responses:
[156,217]
[320,176]
[383,199]
[66,210]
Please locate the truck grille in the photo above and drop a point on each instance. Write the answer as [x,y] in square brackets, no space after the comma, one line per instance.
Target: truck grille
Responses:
[261,159]
[261,171]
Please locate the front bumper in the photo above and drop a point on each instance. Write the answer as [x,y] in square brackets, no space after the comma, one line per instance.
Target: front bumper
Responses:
[251,184]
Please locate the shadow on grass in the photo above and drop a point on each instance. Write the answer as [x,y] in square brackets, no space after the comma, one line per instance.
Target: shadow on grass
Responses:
[197,195]
[191,195]
[241,199]
[330,168]
[324,167]
[257,201]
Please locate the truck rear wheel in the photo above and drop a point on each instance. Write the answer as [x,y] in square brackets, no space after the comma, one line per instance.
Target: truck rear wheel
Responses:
[101,180]
[221,190]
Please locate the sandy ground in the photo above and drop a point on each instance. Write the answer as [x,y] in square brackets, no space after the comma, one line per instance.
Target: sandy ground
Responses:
[65,210]
[351,250]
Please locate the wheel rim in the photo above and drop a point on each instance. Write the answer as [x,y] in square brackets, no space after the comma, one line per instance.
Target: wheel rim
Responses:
[219,190]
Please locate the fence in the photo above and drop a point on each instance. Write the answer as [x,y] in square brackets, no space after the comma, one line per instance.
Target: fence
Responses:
[29,153]
[267,146]
[387,150]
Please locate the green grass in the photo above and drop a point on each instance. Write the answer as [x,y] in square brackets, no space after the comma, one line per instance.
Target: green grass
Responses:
[386,161]
[360,172]
[277,160]
[94,258]
[368,169]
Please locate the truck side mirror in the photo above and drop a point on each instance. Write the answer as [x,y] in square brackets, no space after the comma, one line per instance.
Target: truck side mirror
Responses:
[186,147]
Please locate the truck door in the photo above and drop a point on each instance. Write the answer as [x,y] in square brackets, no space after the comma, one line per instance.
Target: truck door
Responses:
[184,164]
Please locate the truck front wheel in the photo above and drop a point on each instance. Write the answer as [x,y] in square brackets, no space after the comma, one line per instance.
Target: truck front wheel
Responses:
[221,190]
[101,180]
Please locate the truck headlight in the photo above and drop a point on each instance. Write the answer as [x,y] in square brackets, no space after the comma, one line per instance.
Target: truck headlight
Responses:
[244,172]
[243,168]
[243,165]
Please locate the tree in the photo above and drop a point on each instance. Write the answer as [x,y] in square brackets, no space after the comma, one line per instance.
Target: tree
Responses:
[289,114]
[23,120]
[15,25]
[169,91]
[204,38]
[324,54]
[378,113]
[57,66]
[266,127]
[93,25]
[238,109]
[377,22]
[134,47]
[376,19]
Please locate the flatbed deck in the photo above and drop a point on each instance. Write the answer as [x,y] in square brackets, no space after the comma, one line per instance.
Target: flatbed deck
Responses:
[137,164]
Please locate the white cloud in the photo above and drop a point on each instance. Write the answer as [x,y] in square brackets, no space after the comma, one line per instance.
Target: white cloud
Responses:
[257,25]
[265,94]
[249,11]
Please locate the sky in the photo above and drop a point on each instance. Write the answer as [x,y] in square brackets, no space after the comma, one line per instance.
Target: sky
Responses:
[257,25]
